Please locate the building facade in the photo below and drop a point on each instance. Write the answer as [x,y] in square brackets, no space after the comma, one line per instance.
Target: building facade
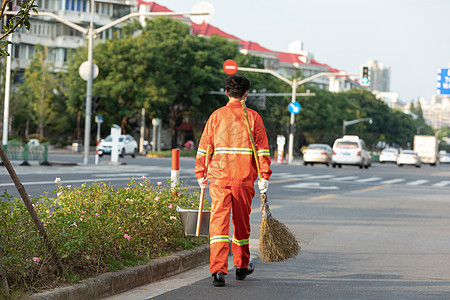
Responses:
[437,112]
[59,38]
[380,76]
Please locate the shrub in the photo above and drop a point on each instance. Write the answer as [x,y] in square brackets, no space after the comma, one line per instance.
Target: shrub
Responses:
[95,228]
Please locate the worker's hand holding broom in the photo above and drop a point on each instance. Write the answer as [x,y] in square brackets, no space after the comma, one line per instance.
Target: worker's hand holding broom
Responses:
[276,241]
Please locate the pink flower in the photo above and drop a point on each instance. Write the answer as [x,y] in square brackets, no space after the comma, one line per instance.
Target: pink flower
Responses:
[36,259]
[143,177]
[75,224]
[127,236]
[88,257]
[59,194]
[141,184]
[170,206]
[173,217]
[157,198]
[83,212]
[96,214]
[57,179]
[128,199]
[159,183]
[69,186]
[131,200]
[126,188]
[79,192]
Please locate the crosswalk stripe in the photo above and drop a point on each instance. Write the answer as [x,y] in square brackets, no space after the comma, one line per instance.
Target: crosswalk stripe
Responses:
[393,180]
[417,182]
[369,179]
[320,177]
[442,183]
[346,178]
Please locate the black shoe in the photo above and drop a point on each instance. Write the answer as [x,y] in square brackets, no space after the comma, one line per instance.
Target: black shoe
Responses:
[241,273]
[219,279]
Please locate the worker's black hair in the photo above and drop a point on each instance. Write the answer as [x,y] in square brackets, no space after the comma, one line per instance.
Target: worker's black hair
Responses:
[236,86]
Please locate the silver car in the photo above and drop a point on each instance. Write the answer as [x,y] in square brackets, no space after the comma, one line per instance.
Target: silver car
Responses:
[317,153]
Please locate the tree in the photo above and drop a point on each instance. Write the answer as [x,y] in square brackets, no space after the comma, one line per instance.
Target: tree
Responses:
[17,20]
[37,91]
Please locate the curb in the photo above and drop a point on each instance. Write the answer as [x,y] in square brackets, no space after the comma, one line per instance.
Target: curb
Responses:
[112,283]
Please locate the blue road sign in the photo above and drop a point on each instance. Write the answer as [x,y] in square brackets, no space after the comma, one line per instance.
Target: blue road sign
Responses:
[443,82]
[294,107]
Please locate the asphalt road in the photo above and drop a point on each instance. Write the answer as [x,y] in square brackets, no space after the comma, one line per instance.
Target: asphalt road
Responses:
[365,234]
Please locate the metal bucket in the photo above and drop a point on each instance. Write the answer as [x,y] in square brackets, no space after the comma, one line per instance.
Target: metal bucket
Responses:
[189,217]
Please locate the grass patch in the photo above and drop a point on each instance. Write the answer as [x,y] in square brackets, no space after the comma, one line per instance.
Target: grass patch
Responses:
[95,228]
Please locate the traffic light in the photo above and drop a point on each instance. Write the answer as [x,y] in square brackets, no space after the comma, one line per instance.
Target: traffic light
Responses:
[365,78]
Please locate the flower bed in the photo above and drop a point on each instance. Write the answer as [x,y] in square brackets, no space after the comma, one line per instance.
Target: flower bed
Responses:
[95,228]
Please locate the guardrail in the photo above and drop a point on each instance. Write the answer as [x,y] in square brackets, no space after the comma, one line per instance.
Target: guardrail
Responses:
[17,150]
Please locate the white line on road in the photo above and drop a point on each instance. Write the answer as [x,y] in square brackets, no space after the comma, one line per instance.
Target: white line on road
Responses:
[310,185]
[65,182]
[417,182]
[346,178]
[442,183]
[393,181]
[289,175]
[320,177]
[369,179]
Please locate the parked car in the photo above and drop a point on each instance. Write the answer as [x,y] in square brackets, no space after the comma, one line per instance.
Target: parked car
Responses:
[350,150]
[409,157]
[317,153]
[389,155]
[127,145]
[444,157]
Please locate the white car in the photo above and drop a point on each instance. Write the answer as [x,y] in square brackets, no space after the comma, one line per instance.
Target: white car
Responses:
[409,157]
[317,153]
[350,150]
[127,145]
[388,155]
[444,157]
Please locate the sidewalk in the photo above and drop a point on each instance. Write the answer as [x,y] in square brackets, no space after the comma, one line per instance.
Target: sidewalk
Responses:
[110,284]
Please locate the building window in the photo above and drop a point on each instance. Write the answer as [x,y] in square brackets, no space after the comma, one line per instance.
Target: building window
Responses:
[16,51]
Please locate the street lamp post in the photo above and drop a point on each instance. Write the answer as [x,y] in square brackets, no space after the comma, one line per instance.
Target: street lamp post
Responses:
[346,123]
[200,13]
[294,84]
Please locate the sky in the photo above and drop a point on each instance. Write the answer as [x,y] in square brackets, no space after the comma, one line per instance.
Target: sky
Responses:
[410,36]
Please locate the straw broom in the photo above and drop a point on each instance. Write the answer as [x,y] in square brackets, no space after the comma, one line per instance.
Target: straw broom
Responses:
[276,241]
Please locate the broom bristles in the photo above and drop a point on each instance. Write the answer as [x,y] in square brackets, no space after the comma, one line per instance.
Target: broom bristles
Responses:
[276,242]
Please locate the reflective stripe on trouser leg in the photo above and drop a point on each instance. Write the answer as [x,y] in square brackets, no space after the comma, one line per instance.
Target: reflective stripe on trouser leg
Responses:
[219,227]
[242,207]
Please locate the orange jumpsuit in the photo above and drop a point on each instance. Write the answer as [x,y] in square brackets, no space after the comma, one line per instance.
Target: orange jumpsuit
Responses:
[232,174]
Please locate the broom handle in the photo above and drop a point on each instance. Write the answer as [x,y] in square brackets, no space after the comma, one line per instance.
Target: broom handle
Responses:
[202,194]
[247,122]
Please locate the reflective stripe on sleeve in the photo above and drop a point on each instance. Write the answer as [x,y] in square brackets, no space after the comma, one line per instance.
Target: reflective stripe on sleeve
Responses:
[201,152]
[263,152]
[240,242]
[218,239]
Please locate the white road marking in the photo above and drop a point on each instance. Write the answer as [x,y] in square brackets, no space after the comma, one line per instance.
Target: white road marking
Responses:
[65,182]
[310,185]
[289,175]
[369,179]
[417,182]
[320,177]
[393,181]
[442,183]
[346,178]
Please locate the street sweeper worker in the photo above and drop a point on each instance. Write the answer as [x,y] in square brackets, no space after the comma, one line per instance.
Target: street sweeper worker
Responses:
[232,173]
